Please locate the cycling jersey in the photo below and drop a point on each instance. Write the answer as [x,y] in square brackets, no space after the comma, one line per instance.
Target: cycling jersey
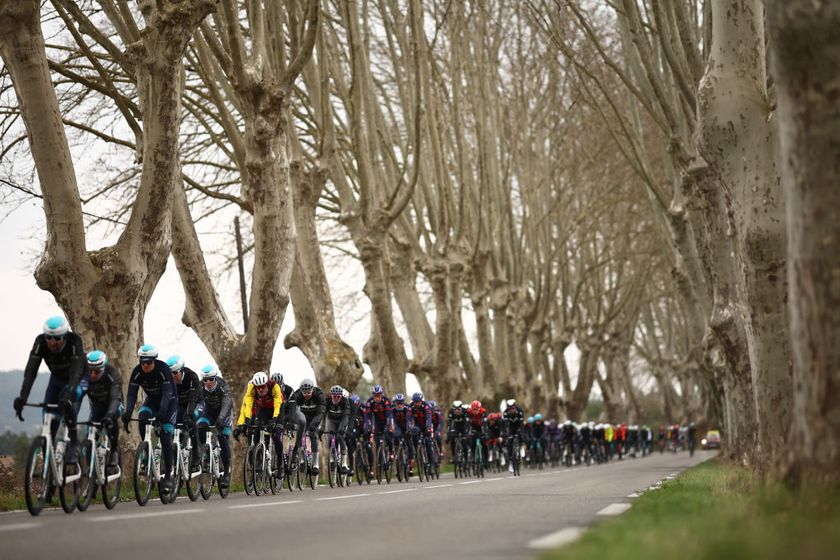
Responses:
[313,407]
[253,402]
[338,414]
[66,366]
[189,391]
[494,429]
[218,400]
[104,394]
[456,419]
[158,386]
[513,417]
[422,413]
[403,419]
[380,413]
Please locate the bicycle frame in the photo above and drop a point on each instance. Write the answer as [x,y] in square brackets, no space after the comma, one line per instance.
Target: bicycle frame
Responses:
[182,455]
[98,439]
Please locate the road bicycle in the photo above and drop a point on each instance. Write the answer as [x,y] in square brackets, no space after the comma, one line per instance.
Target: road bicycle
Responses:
[336,465]
[290,460]
[384,464]
[461,456]
[262,456]
[45,468]
[362,459]
[210,466]
[147,466]
[184,474]
[96,473]
[513,454]
[304,472]
[426,463]
[477,458]
[401,461]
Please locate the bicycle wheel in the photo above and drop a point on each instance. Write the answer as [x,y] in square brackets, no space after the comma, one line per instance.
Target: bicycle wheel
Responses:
[332,470]
[300,473]
[87,484]
[142,473]
[259,465]
[358,464]
[421,462]
[111,488]
[175,479]
[193,490]
[311,477]
[248,470]
[205,479]
[276,472]
[38,476]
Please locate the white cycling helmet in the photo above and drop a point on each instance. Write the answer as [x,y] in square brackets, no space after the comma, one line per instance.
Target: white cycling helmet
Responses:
[209,372]
[96,359]
[147,352]
[276,378]
[259,379]
[511,402]
[56,326]
[307,384]
[175,363]
[457,404]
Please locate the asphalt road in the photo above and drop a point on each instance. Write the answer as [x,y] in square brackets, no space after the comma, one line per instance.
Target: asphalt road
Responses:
[497,517]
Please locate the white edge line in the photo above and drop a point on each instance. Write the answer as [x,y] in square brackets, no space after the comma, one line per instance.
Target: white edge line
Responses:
[557,539]
[19,526]
[398,491]
[439,486]
[123,517]
[614,509]
[471,482]
[265,504]
[340,497]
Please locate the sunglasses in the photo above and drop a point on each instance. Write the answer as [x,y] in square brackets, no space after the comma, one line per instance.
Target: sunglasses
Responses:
[146,362]
[55,338]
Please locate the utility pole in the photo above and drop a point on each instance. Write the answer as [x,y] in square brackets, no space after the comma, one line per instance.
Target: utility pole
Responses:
[241,273]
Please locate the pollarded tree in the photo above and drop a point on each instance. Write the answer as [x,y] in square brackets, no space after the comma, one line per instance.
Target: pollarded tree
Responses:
[105,292]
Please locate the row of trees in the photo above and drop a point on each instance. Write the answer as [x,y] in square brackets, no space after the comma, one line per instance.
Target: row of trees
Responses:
[605,175]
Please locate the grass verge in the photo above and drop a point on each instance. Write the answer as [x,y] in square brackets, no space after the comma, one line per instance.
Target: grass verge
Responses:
[717,511]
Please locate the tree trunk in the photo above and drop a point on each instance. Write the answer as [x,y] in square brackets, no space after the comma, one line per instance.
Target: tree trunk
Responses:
[738,140]
[806,58]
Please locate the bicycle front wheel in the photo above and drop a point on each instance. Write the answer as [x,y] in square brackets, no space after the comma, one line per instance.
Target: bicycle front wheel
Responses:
[248,470]
[87,484]
[193,490]
[259,465]
[143,473]
[205,479]
[333,467]
[38,476]
[111,488]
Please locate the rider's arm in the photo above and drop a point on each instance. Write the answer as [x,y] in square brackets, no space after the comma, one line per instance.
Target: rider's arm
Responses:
[277,396]
[247,405]
[194,391]
[77,361]
[115,394]
[168,390]
[227,402]
[32,366]
[319,412]
[346,417]
[429,414]
[133,386]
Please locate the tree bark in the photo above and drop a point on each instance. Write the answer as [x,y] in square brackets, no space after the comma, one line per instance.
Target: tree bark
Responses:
[806,61]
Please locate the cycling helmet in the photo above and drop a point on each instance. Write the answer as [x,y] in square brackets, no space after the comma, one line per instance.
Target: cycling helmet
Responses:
[511,402]
[475,406]
[355,399]
[530,419]
[147,352]
[307,385]
[209,372]
[417,397]
[399,398]
[56,327]
[433,404]
[457,404]
[96,359]
[494,417]
[260,379]
[175,363]
[337,390]
[377,390]
[277,378]
[537,416]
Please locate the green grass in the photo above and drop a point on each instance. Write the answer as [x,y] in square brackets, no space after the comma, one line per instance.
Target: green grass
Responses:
[717,511]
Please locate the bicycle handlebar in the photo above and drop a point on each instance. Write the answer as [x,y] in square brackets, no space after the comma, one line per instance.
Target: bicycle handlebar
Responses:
[42,405]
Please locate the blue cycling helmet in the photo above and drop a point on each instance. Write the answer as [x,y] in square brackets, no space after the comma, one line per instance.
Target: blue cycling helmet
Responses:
[530,419]
[96,359]
[175,363]
[355,399]
[377,390]
[56,327]
[417,397]
[537,416]
[209,372]
[433,404]
[399,398]
[147,352]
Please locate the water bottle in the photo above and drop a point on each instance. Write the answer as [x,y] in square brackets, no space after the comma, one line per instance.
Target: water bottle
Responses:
[156,455]
[59,450]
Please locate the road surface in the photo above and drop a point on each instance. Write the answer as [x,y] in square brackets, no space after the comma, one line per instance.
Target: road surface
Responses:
[498,517]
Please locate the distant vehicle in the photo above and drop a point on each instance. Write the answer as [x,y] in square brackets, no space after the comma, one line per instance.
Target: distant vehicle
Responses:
[712,440]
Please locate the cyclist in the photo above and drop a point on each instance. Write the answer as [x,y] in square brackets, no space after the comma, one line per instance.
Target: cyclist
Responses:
[477,421]
[691,437]
[513,419]
[64,354]
[357,428]
[437,422]
[422,413]
[103,385]
[379,416]
[338,413]
[218,406]
[495,436]
[188,387]
[456,424]
[538,436]
[310,400]
[293,418]
[621,440]
[403,427]
[586,438]
[155,377]
[609,438]
[261,403]
[568,434]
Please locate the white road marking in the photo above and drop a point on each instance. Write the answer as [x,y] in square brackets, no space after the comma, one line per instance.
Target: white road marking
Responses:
[633,495]
[19,526]
[614,509]
[398,491]
[471,482]
[495,479]
[439,486]
[341,497]
[265,504]
[558,538]
[123,517]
